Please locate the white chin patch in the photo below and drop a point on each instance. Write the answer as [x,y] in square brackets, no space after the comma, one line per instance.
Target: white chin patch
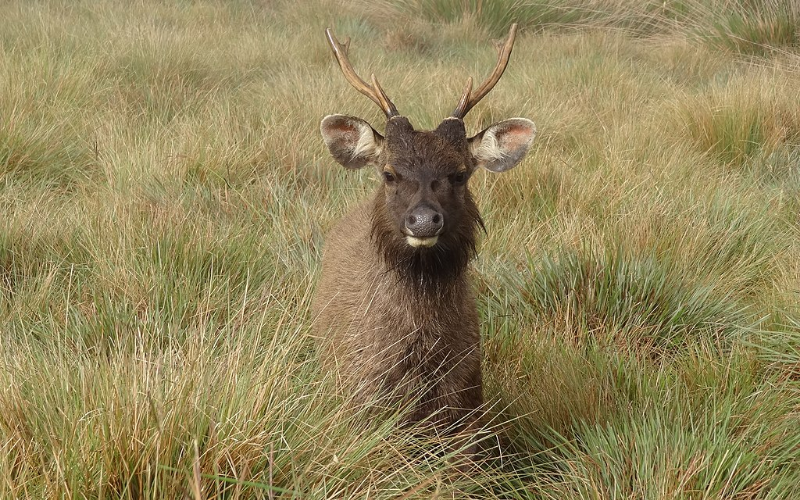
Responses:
[422,242]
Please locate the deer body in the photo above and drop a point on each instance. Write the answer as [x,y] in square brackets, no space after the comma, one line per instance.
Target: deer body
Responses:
[394,312]
[384,336]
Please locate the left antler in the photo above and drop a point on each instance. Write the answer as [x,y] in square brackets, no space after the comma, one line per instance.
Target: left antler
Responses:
[468,99]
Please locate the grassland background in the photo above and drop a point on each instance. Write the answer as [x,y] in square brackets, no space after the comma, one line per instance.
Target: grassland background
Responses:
[164,193]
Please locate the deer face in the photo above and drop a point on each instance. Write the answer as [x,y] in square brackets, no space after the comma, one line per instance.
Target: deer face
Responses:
[425,177]
[425,198]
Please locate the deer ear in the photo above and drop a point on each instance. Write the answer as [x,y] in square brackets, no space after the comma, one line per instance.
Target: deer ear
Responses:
[501,146]
[352,141]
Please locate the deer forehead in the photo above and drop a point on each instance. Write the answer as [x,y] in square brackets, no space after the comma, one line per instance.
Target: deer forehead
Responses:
[426,154]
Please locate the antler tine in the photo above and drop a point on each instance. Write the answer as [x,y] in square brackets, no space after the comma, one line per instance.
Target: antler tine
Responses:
[462,108]
[374,91]
[468,99]
[386,105]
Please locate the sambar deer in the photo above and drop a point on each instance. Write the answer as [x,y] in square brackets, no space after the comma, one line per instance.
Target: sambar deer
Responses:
[395,316]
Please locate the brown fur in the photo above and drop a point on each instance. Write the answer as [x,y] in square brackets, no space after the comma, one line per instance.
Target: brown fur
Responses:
[396,321]
[382,333]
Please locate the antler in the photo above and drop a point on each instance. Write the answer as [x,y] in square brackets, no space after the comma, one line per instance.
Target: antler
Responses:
[374,91]
[468,99]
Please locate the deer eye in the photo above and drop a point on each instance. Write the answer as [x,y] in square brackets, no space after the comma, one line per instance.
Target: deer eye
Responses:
[458,178]
[388,176]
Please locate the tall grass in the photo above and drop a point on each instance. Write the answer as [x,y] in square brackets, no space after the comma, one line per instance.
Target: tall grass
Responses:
[739,26]
[165,196]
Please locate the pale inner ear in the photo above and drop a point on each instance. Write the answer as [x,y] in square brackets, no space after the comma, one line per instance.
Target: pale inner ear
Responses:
[503,145]
[352,141]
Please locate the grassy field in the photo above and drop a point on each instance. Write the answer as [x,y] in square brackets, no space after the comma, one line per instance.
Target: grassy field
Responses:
[165,194]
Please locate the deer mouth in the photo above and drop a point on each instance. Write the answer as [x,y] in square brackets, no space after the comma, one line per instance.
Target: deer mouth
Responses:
[422,242]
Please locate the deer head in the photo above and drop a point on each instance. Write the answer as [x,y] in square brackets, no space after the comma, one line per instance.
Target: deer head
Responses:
[424,218]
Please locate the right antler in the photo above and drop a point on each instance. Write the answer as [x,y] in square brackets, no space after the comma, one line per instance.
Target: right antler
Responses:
[374,91]
[468,99]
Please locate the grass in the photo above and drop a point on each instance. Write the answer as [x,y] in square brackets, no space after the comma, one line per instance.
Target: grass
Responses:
[165,197]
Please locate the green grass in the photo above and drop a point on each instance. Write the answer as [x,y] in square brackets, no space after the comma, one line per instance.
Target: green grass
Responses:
[165,195]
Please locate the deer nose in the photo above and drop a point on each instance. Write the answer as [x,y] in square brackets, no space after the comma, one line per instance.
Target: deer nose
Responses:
[424,222]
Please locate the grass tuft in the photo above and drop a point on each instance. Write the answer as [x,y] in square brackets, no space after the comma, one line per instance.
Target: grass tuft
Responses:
[740,120]
[615,298]
[753,28]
